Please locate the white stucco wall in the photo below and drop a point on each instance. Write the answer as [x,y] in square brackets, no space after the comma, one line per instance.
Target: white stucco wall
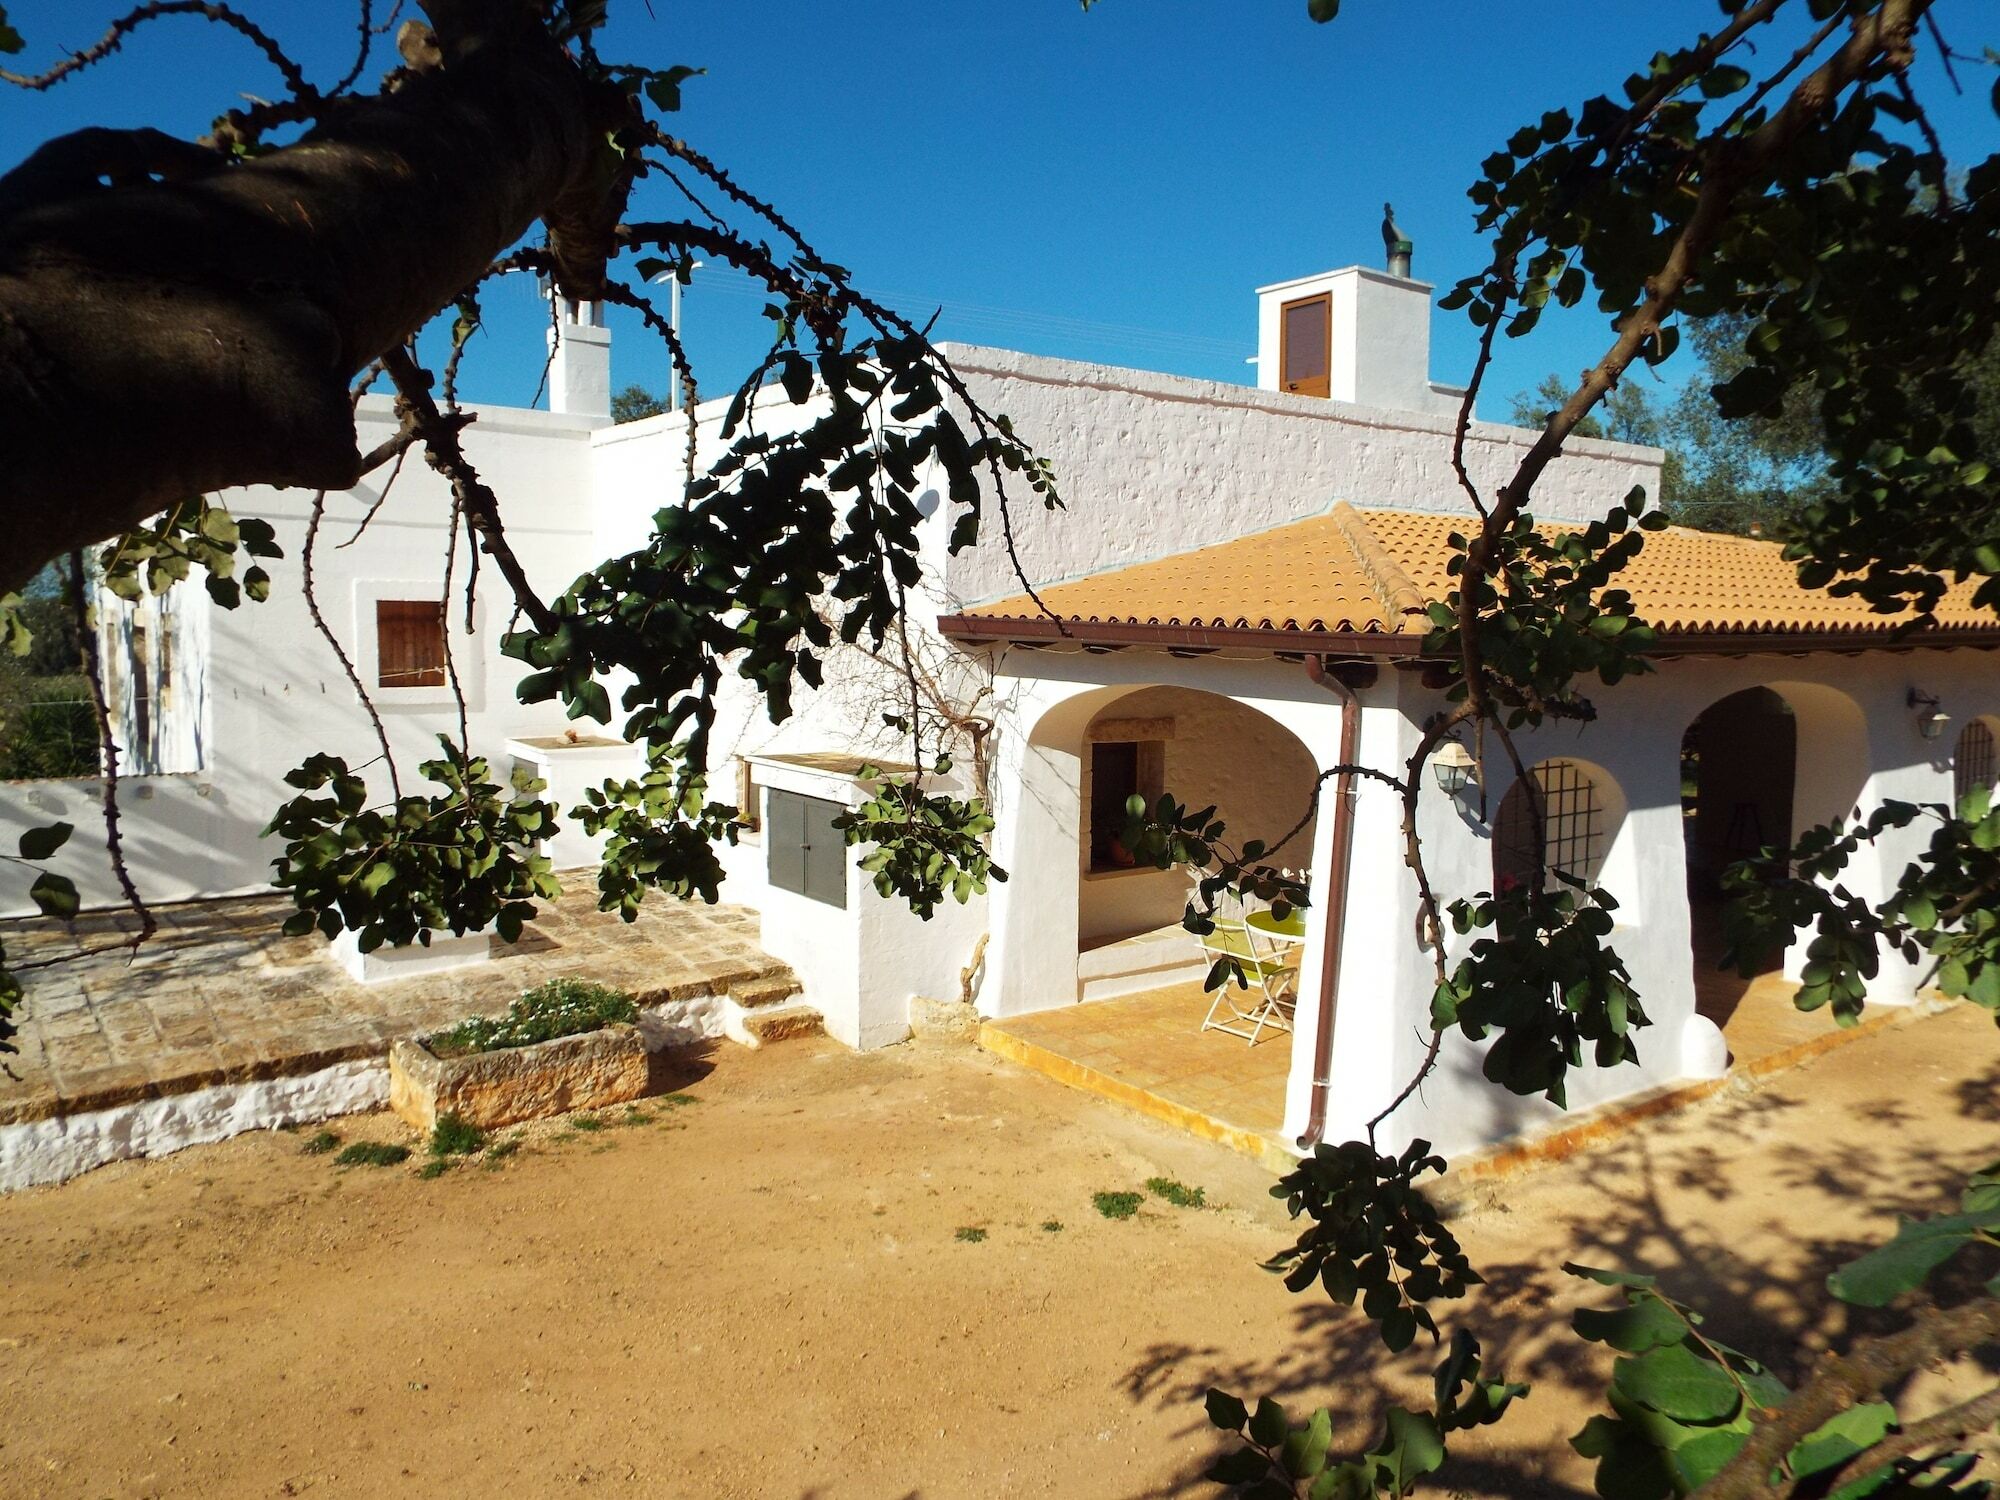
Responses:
[862,963]
[1151,465]
[273,692]
[1857,747]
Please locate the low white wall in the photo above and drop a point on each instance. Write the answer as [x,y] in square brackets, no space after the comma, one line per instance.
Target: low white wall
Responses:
[57,1149]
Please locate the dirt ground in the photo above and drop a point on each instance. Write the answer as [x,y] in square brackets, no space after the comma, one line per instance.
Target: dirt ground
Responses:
[763,1292]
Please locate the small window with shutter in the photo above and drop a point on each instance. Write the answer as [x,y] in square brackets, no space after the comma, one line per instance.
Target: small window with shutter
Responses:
[808,855]
[1305,346]
[409,643]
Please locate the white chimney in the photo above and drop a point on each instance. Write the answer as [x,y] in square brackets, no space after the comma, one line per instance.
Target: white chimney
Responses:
[580,361]
[1355,334]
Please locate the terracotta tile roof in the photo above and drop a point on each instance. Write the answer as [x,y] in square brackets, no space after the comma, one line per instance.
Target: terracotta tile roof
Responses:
[1371,572]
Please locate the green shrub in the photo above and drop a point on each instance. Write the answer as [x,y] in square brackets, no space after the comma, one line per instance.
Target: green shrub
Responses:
[47,728]
[586,1122]
[1177,1193]
[970,1236]
[562,1007]
[372,1154]
[500,1150]
[431,1169]
[1117,1205]
[1052,1226]
[319,1145]
[452,1136]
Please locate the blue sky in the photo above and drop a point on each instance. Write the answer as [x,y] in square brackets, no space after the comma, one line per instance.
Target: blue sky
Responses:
[1108,186]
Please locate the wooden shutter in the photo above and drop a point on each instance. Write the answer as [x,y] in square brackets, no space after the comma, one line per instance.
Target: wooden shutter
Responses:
[807,854]
[1305,346]
[409,643]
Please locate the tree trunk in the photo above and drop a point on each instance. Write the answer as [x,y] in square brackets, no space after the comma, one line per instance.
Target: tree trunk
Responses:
[163,337]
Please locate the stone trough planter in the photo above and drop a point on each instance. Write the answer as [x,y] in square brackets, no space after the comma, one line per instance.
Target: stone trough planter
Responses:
[510,1084]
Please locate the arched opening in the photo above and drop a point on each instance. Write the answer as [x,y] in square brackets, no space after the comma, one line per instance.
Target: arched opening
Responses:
[1206,750]
[1973,762]
[1758,768]
[1118,982]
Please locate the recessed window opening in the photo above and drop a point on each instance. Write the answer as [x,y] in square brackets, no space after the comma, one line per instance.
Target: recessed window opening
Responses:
[1305,345]
[1972,764]
[1119,771]
[1573,828]
[409,643]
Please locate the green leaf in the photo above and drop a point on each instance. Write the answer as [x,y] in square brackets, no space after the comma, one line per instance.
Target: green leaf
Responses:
[1239,1466]
[1631,1279]
[55,895]
[1410,1449]
[1920,1246]
[40,843]
[1853,1431]
[1701,1458]
[1648,1324]
[1269,1424]
[1226,1411]
[665,88]
[10,39]
[1678,1383]
[1326,10]
[1304,1452]
[1724,79]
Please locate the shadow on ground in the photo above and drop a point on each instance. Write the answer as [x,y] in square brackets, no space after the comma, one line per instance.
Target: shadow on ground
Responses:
[1713,1201]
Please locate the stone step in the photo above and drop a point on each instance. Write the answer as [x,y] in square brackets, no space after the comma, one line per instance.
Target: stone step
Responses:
[779,1025]
[765,989]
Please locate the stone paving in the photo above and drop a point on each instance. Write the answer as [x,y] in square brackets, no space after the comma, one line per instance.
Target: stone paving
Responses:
[221,996]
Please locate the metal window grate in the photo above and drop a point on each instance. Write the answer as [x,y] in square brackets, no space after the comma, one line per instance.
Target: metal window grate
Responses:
[1573,823]
[1972,764]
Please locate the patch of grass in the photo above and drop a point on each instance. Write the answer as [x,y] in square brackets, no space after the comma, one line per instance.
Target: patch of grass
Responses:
[454,1136]
[320,1144]
[500,1150]
[1052,1226]
[636,1116]
[372,1154]
[436,1167]
[1177,1193]
[678,1101]
[967,1235]
[586,1123]
[1117,1205]
[562,1007]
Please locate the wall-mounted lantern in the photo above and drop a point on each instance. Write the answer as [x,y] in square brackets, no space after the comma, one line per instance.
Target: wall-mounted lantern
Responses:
[1931,719]
[1454,767]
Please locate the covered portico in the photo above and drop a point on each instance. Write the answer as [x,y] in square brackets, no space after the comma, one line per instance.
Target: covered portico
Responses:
[1317,628]
[1256,735]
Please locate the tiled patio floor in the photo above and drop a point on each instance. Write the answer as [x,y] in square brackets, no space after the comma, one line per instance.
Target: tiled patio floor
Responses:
[219,996]
[1146,1051]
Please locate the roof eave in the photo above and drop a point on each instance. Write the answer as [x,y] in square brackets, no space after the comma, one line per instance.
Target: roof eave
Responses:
[1037,630]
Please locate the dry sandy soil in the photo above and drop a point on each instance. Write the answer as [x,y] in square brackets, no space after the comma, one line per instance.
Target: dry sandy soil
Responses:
[762,1292]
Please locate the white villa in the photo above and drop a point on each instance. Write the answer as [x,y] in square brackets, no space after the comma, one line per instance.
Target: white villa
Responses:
[1239,578]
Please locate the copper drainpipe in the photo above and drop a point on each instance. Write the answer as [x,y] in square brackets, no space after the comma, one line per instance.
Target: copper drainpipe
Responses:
[1335,896]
